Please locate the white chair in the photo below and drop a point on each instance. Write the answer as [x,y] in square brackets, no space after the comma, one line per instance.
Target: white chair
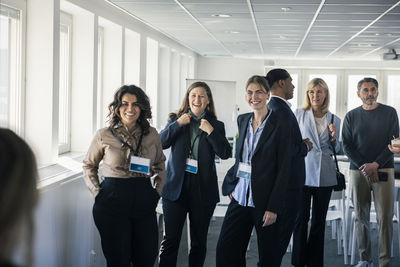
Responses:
[344,167]
[160,219]
[338,215]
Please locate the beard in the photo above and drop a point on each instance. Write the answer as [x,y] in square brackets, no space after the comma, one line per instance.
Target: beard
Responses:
[370,101]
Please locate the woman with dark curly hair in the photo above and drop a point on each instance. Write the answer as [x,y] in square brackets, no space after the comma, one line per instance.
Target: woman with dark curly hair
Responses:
[134,171]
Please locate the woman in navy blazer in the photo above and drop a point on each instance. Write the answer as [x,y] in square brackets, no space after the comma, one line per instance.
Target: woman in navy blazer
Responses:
[191,187]
[257,183]
[315,123]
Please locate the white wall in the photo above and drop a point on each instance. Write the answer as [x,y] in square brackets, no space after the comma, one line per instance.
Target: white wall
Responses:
[65,232]
[42,78]
[82,76]
[231,69]
[132,57]
[164,94]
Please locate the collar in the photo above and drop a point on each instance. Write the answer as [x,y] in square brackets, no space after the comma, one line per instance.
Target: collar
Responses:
[287,102]
[120,128]
[194,117]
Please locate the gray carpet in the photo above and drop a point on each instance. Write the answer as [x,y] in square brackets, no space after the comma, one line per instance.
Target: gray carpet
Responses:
[331,258]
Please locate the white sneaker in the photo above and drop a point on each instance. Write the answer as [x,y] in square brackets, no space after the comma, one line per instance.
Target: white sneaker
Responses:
[365,264]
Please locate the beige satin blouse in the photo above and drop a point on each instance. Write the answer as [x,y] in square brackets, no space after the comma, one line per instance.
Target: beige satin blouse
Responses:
[116,157]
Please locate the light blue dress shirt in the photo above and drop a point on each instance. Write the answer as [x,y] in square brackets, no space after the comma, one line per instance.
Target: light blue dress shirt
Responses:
[250,143]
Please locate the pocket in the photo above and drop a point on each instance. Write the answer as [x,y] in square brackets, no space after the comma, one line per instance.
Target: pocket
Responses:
[105,193]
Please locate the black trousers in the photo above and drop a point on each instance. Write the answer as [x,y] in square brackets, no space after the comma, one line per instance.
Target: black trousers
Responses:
[288,219]
[235,234]
[175,212]
[308,249]
[124,213]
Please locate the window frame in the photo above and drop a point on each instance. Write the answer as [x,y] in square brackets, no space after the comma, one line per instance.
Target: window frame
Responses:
[100,71]
[64,147]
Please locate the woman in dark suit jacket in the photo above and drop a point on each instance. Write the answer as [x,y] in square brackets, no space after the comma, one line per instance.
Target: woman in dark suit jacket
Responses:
[195,136]
[257,183]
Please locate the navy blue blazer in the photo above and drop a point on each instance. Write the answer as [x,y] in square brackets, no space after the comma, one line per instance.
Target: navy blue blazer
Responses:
[178,138]
[299,149]
[270,165]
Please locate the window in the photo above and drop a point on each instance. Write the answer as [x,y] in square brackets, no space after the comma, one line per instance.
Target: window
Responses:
[353,100]
[132,57]
[10,68]
[294,101]
[64,131]
[331,81]
[393,92]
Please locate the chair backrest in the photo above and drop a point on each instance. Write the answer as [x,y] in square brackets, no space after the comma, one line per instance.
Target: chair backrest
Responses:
[338,195]
[344,167]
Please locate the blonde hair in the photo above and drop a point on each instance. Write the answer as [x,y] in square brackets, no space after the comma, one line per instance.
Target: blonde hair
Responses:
[18,194]
[310,85]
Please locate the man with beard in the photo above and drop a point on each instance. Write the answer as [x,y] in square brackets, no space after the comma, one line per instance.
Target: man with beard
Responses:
[366,132]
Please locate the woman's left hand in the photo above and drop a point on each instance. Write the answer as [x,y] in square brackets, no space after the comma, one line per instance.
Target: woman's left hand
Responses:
[332,129]
[206,126]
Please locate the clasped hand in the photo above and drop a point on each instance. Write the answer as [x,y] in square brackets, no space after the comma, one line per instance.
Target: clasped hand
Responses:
[204,124]
[370,170]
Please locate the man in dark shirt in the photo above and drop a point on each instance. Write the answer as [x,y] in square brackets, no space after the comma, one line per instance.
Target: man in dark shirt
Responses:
[366,132]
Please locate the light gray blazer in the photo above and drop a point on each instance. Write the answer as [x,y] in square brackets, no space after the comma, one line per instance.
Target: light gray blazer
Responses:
[320,165]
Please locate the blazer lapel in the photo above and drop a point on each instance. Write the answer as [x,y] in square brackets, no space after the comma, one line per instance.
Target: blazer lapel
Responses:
[242,134]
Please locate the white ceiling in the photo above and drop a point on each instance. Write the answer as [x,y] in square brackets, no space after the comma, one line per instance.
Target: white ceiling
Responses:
[351,29]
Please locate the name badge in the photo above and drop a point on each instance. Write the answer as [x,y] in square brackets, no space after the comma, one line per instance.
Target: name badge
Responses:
[244,171]
[140,165]
[191,166]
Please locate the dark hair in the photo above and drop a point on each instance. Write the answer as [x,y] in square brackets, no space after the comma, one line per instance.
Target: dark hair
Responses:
[275,75]
[258,80]
[18,193]
[367,80]
[210,109]
[142,100]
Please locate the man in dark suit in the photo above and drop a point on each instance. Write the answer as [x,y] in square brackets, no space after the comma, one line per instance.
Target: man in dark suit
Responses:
[282,90]
[257,183]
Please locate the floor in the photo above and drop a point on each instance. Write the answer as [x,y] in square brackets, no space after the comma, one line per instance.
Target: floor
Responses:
[331,258]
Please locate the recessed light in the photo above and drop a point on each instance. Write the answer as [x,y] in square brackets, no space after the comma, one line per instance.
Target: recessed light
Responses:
[221,15]
[364,45]
[232,32]
[286,9]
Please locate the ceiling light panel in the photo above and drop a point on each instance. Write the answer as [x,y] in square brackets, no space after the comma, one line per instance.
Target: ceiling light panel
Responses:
[285,3]
[281,32]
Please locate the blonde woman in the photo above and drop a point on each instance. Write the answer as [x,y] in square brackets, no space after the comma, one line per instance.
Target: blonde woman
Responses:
[321,127]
